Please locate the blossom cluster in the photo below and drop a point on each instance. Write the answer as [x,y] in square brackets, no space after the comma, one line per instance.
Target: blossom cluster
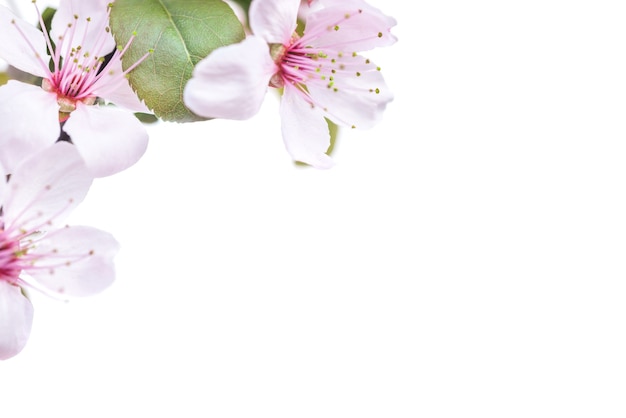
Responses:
[74,119]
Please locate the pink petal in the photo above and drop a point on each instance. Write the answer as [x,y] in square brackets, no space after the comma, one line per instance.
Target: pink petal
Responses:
[305,131]
[29,122]
[25,50]
[359,101]
[125,97]
[16,319]
[76,261]
[116,89]
[232,81]
[365,28]
[89,34]
[44,188]
[109,139]
[274,20]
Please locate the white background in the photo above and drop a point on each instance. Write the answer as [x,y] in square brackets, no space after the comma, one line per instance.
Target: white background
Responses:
[463,258]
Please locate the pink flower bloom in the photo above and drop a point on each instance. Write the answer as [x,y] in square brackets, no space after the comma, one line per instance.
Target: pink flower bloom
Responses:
[109,138]
[320,73]
[34,251]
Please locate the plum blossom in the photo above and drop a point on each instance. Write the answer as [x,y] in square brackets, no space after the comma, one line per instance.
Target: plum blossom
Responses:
[320,73]
[36,251]
[82,66]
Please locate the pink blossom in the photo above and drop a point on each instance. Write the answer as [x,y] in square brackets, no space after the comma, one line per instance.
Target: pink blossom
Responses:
[75,75]
[321,73]
[36,250]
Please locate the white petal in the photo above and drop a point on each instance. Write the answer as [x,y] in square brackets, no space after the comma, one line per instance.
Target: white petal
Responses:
[358,101]
[16,319]
[125,97]
[365,28]
[114,88]
[305,131]
[274,20]
[25,50]
[231,82]
[89,20]
[44,188]
[76,261]
[29,122]
[109,139]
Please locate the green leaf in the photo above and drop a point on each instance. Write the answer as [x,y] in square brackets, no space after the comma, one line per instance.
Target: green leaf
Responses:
[333,129]
[179,33]
[47,16]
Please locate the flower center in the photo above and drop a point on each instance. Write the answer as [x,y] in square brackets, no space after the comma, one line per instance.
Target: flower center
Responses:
[84,61]
[9,258]
[288,61]
[66,101]
[77,66]
[277,52]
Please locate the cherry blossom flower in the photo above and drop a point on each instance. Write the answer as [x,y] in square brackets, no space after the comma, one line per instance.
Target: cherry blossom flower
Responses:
[320,73]
[83,66]
[35,251]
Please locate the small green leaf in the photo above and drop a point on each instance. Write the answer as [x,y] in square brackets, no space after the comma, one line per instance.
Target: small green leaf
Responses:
[333,129]
[47,16]
[146,117]
[178,34]
[13,73]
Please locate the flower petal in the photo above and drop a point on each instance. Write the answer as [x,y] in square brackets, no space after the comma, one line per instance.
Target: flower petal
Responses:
[20,134]
[109,139]
[89,23]
[305,131]
[76,261]
[115,88]
[356,101]
[16,319]
[44,188]
[350,26]
[125,97]
[23,46]
[274,20]
[232,81]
